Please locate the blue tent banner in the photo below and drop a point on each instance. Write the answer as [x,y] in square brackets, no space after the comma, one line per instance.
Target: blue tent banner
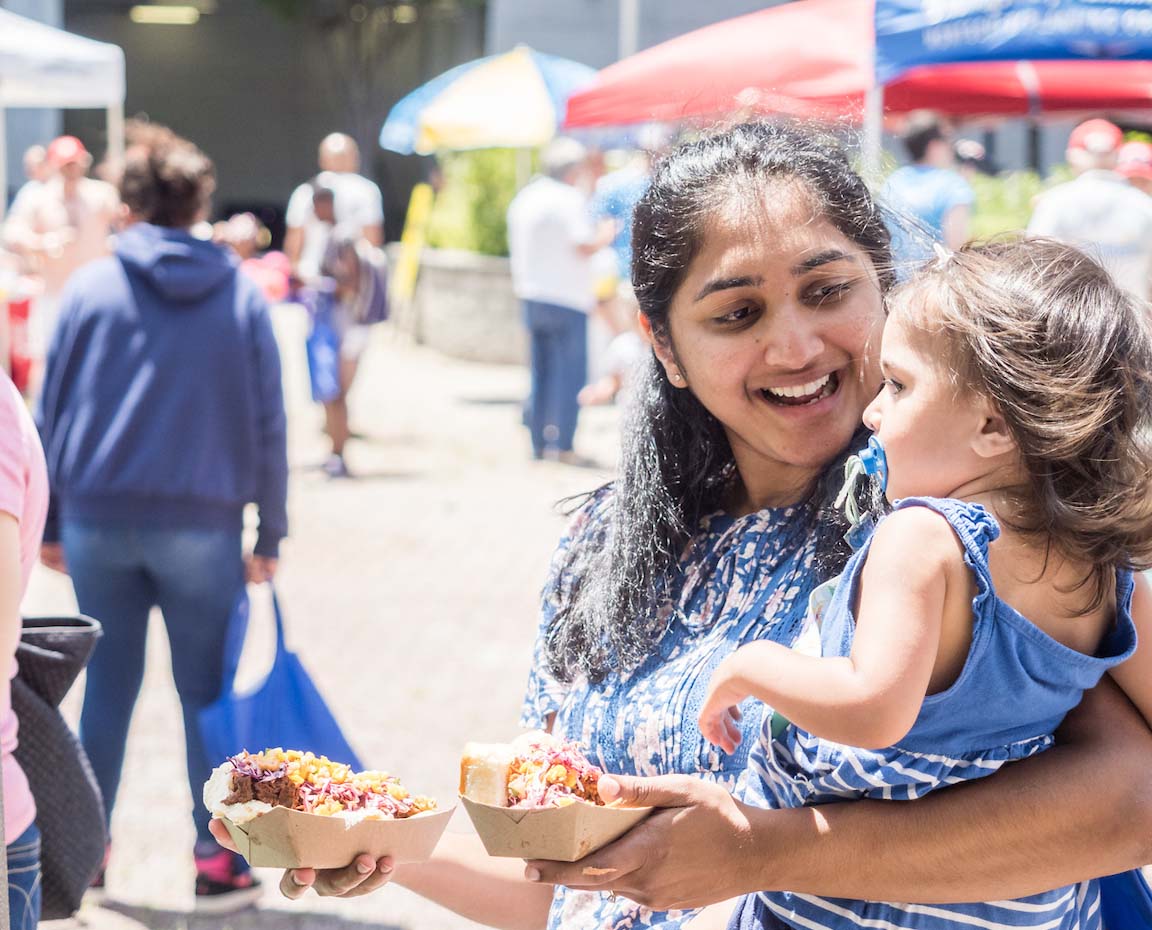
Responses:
[910,33]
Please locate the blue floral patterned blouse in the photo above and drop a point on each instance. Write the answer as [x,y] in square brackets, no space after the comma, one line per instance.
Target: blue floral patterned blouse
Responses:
[738,580]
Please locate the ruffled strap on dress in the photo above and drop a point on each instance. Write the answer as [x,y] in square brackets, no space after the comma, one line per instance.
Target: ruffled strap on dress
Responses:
[976,529]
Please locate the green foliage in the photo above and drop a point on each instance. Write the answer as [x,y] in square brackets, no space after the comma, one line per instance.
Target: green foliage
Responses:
[470,208]
[1004,203]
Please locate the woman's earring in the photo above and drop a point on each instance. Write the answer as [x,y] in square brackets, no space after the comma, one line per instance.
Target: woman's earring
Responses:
[677,377]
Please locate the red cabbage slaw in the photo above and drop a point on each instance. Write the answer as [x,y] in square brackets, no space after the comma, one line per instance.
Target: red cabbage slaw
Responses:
[552,775]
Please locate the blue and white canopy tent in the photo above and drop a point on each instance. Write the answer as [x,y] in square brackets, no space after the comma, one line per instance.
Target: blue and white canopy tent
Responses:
[910,33]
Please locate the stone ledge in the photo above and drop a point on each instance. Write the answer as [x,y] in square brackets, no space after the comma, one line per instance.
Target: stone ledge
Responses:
[465,308]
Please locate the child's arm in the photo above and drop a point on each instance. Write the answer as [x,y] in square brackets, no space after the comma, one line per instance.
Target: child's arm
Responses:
[1135,675]
[871,698]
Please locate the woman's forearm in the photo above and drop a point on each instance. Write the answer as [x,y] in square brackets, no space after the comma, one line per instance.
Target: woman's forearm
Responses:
[1080,810]
[462,877]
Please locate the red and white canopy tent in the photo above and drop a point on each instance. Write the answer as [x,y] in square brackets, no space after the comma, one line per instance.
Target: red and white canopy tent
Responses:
[815,58]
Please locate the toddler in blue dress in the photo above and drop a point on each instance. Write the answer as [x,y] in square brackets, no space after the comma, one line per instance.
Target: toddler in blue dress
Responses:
[1012,433]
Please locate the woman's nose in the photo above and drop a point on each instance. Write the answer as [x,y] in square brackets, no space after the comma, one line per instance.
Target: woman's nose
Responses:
[795,342]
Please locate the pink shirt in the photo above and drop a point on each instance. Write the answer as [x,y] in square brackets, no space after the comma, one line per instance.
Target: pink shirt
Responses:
[24,494]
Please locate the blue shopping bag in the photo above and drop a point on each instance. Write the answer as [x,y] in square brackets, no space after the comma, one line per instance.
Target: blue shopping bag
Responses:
[1126,901]
[322,347]
[285,709]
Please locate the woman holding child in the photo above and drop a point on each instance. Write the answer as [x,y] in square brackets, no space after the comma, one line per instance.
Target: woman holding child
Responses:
[760,265]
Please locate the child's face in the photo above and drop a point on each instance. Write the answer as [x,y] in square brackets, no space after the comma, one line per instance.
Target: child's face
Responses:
[925,423]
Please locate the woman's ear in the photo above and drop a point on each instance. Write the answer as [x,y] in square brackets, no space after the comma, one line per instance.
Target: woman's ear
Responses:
[663,351]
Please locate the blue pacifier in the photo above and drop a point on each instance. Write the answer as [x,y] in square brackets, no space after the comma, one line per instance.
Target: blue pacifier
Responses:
[870,461]
[875,462]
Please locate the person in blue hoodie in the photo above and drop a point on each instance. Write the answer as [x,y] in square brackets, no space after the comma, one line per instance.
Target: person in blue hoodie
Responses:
[162,417]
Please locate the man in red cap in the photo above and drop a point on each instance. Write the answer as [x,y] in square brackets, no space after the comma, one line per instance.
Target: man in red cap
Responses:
[1135,163]
[59,226]
[1100,211]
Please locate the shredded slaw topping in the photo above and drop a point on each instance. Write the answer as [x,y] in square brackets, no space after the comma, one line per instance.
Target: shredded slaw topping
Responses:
[552,774]
[327,787]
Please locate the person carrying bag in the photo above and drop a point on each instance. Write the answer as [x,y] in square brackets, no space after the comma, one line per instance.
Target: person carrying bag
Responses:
[286,709]
[151,473]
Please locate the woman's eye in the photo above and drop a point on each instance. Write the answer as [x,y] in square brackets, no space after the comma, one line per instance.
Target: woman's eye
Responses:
[894,387]
[739,315]
[828,292]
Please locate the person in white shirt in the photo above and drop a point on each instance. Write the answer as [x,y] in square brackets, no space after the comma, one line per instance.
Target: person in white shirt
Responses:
[1099,211]
[57,226]
[337,205]
[357,205]
[37,170]
[551,240]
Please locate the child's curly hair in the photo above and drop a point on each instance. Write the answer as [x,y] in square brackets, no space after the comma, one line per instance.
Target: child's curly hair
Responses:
[1065,354]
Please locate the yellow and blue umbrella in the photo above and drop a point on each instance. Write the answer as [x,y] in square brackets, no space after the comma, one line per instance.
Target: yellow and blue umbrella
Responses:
[508,101]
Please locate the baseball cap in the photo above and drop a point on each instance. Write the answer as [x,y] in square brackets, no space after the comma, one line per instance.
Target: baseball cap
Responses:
[66,149]
[1134,160]
[1097,136]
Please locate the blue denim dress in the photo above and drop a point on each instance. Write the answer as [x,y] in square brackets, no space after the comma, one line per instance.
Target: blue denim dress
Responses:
[1015,688]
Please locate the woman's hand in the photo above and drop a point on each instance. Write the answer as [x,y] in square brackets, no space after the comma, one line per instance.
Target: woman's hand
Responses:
[659,863]
[362,876]
[259,568]
[719,720]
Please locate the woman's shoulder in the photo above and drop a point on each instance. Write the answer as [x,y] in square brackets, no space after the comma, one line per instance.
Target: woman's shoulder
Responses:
[591,517]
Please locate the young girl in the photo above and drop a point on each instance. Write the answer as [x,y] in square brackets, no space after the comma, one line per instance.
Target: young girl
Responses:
[1014,424]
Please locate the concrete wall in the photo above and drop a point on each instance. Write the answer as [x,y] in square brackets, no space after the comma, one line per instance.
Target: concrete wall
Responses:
[588,30]
[464,307]
[257,93]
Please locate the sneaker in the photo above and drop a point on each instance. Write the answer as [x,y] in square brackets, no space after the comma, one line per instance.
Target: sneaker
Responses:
[336,467]
[224,884]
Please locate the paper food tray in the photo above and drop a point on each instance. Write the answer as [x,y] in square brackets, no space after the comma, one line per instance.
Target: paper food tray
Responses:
[290,839]
[564,834]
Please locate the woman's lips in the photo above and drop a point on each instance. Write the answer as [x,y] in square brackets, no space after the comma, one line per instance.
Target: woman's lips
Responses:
[803,395]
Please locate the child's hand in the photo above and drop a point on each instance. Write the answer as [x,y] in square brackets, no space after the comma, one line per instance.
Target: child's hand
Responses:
[722,727]
[720,717]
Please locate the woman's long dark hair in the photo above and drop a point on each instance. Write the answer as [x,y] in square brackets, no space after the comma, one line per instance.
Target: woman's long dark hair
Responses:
[676,463]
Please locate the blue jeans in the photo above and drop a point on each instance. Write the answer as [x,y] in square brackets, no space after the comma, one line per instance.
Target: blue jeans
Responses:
[558,342]
[24,880]
[120,573]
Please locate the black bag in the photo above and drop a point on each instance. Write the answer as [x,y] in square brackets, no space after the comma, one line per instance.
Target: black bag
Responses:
[69,809]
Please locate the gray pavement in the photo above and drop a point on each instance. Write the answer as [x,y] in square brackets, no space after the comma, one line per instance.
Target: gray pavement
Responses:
[409,590]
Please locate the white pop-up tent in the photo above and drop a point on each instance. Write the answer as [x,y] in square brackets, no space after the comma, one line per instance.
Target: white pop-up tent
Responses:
[45,67]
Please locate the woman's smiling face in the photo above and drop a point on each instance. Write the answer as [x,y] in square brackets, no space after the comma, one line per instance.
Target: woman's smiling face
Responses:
[773,329]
